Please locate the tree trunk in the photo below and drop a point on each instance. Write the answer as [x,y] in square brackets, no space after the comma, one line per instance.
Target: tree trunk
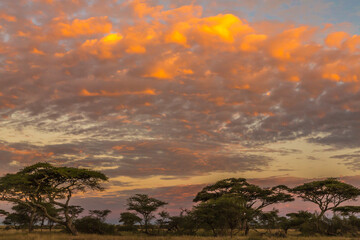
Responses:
[31,222]
[42,224]
[214,231]
[247,228]
[318,221]
[71,228]
[146,226]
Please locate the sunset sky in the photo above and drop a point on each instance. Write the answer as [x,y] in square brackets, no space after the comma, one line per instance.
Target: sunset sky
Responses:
[165,97]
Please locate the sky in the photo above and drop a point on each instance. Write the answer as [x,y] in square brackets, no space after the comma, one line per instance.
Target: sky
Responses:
[165,97]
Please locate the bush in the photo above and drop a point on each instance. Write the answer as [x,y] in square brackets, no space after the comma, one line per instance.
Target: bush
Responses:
[127,228]
[94,225]
[308,228]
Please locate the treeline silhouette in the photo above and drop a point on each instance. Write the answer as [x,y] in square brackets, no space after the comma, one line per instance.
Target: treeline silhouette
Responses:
[41,195]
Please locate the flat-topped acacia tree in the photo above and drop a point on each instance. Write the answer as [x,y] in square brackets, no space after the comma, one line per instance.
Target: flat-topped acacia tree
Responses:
[42,184]
[328,194]
[254,198]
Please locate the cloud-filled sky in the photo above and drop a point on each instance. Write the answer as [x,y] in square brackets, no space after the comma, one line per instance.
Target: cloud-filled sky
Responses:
[167,96]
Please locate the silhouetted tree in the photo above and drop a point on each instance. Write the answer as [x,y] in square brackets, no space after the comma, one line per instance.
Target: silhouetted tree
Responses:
[254,197]
[163,220]
[145,206]
[327,194]
[22,216]
[129,220]
[42,184]
[222,213]
[210,217]
[271,221]
[187,223]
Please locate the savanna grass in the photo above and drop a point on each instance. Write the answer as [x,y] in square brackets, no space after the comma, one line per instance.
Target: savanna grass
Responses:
[19,235]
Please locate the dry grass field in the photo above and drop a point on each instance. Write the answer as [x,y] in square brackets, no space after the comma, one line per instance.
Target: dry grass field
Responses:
[20,235]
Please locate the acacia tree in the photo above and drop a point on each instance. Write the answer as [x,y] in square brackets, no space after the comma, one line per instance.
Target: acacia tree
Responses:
[163,220]
[327,194]
[254,197]
[42,184]
[129,220]
[220,214]
[209,216]
[145,206]
[23,216]
[186,223]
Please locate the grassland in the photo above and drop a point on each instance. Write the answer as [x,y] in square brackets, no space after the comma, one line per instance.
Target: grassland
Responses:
[21,235]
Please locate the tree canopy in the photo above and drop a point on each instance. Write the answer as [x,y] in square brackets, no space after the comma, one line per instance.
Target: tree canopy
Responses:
[254,196]
[347,210]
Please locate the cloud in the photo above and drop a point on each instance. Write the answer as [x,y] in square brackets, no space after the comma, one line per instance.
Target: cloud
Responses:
[350,160]
[141,88]
[90,26]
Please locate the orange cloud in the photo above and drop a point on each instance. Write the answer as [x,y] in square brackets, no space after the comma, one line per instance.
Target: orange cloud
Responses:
[102,93]
[141,8]
[220,68]
[287,42]
[336,39]
[178,34]
[23,34]
[340,71]
[208,31]
[7,17]
[251,42]
[137,38]
[34,153]
[167,68]
[353,43]
[37,51]
[123,147]
[226,27]
[103,48]
[77,27]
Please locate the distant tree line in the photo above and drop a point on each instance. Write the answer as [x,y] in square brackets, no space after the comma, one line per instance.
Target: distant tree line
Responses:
[41,195]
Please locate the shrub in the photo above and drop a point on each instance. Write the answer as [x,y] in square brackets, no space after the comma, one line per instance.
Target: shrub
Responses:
[93,225]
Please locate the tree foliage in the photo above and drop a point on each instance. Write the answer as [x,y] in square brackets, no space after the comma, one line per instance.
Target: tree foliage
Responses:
[100,214]
[347,210]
